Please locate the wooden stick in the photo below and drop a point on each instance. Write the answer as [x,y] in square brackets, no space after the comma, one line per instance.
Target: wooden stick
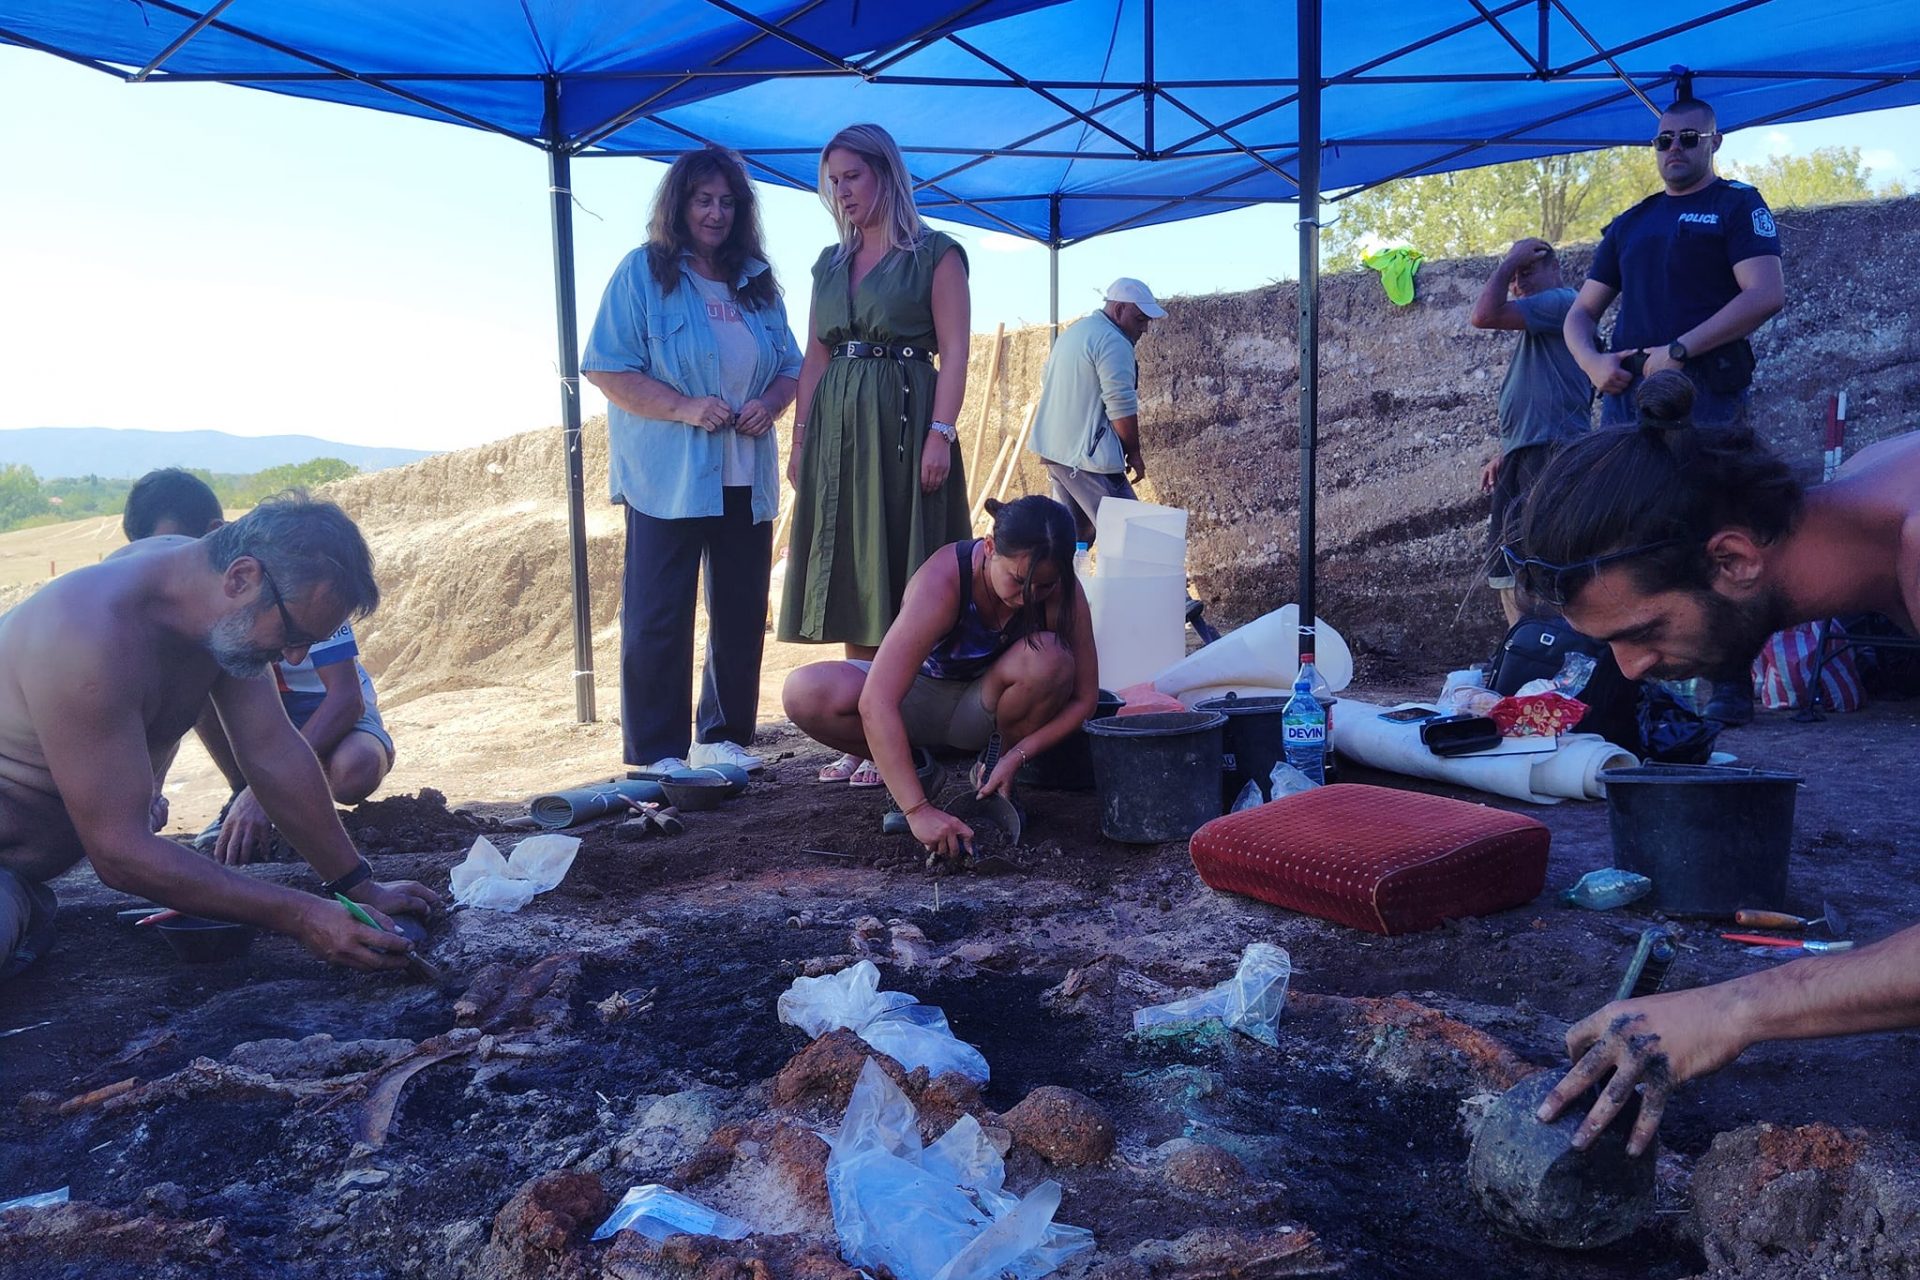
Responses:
[986,486]
[1013,465]
[986,399]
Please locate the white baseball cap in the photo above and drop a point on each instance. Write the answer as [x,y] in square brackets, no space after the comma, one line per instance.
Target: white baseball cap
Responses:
[1127,289]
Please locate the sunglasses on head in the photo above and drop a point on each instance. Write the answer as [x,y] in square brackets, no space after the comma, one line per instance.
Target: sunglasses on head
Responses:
[1687,138]
[1555,583]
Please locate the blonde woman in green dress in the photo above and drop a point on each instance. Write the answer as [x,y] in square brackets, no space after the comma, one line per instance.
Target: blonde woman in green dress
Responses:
[875,466]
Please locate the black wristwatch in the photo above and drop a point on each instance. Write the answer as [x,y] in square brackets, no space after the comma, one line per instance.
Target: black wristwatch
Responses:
[1677,352]
[361,873]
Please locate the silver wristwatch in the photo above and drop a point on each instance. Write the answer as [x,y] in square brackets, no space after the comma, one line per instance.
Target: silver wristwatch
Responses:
[946,429]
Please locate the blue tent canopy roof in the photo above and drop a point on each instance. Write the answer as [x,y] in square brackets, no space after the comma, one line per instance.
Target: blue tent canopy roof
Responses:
[1076,102]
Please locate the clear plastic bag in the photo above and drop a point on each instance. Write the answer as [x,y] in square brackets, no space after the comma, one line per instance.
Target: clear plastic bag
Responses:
[1249,797]
[893,1022]
[1286,780]
[656,1213]
[938,1212]
[487,880]
[1249,1002]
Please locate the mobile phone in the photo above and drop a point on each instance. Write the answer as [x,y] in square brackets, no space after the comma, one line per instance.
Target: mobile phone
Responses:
[1409,715]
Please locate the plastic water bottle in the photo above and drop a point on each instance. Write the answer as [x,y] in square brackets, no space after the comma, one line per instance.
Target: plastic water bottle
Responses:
[1605,889]
[1323,694]
[1303,726]
[1082,555]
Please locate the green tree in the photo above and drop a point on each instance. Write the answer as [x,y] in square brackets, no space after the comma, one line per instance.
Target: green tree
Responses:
[20,495]
[1474,212]
[1828,175]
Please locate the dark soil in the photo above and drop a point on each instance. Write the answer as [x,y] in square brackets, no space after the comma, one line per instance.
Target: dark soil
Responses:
[716,923]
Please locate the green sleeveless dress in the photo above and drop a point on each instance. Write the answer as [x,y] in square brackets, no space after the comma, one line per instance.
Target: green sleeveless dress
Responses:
[861,525]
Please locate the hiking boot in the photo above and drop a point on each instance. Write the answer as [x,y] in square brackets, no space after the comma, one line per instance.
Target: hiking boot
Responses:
[705,754]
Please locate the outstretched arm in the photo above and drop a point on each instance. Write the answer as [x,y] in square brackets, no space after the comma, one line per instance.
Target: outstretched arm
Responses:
[1663,1041]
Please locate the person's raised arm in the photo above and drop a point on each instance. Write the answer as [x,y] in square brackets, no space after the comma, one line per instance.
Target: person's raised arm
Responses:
[1495,308]
[1657,1043]
[952,332]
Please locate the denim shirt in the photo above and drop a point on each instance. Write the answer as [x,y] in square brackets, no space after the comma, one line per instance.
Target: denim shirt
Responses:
[669,470]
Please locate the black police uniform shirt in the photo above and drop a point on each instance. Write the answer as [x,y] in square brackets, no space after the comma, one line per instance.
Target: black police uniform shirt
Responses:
[1671,258]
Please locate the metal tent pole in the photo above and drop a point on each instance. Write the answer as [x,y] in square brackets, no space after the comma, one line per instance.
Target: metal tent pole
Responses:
[560,192]
[1309,228]
[1053,270]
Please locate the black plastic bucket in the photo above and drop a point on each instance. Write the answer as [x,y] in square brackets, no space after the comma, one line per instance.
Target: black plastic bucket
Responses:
[1158,774]
[1253,740]
[1069,766]
[1712,838]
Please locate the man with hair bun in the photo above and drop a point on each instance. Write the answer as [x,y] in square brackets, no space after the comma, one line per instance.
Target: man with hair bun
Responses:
[1696,267]
[104,669]
[1684,547]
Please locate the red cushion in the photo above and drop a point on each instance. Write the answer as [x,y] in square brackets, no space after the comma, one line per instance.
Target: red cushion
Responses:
[1375,858]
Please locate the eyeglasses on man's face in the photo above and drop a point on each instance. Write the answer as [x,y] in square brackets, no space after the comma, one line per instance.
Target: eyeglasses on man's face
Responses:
[295,636]
[1687,138]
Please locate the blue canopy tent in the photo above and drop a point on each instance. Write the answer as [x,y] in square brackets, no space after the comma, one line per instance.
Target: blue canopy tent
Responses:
[1056,120]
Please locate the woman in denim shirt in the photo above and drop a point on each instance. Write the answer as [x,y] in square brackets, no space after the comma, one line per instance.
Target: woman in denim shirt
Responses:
[692,350]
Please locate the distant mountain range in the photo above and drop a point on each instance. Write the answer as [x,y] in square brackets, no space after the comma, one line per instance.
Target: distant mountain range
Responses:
[115,453]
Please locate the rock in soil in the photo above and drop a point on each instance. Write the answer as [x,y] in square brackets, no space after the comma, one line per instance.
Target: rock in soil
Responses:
[1061,1126]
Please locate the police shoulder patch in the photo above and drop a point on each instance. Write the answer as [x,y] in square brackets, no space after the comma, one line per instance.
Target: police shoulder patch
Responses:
[1763,223]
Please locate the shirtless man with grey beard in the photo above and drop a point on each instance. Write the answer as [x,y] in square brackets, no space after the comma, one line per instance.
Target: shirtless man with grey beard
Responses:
[104,670]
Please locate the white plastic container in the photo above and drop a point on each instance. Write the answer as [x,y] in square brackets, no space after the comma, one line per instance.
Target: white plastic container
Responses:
[1261,657]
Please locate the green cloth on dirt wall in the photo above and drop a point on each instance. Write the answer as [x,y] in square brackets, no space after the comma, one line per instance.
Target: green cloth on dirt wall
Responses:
[1396,267]
[861,525]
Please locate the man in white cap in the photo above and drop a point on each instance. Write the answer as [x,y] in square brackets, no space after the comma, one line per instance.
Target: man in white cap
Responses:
[1087,426]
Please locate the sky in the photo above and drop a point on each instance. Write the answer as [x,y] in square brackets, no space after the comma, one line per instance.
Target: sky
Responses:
[182,257]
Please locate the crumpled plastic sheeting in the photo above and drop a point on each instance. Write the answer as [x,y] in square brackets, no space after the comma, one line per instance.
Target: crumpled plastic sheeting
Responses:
[938,1213]
[893,1022]
[657,1212]
[1249,1002]
[43,1200]
[494,883]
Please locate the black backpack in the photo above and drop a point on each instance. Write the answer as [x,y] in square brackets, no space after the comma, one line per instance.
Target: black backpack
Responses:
[1535,650]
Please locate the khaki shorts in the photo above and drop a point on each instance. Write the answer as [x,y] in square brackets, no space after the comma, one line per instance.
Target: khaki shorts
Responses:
[944,713]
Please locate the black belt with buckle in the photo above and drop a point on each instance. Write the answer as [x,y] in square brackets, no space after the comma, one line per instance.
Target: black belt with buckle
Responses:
[880,351]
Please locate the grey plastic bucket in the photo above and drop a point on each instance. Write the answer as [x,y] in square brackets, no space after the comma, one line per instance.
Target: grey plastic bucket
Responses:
[1158,774]
[1712,838]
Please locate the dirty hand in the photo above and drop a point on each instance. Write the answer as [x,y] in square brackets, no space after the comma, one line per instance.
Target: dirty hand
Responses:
[1136,467]
[1659,1042]
[157,810]
[398,898]
[936,460]
[942,834]
[1000,781]
[1604,370]
[754,418]
[330,932]
[1489,474]
[244,833]
[709,413]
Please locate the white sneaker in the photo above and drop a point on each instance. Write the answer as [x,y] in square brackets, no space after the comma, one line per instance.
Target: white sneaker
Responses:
[665,764]
[712,753]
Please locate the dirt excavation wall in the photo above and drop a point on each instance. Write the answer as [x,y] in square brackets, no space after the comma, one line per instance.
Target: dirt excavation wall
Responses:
[472,545]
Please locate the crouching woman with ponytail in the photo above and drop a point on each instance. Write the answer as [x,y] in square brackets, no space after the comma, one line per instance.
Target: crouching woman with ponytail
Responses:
[993,637]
